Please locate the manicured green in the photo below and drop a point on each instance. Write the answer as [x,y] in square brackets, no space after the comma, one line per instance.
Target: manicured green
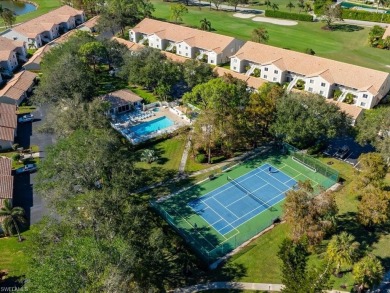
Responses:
[346,46]
[14,254]
[259,259]
[44,6]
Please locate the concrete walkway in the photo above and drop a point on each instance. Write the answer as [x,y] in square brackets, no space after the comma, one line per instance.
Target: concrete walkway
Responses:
[184,157]
[237,286]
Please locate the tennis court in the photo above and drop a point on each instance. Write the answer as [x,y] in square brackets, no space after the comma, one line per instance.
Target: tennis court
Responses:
[216,216]
[241,199]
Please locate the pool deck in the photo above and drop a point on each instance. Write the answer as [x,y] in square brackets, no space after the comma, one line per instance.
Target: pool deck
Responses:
[175,115]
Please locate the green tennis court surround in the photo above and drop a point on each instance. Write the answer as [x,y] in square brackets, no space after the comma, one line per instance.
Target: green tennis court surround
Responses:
[216,216]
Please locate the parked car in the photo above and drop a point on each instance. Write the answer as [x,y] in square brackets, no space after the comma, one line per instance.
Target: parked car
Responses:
[342,152]
[26,118]
[29,168]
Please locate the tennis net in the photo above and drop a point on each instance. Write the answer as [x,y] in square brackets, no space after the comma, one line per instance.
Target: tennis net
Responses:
[239,186]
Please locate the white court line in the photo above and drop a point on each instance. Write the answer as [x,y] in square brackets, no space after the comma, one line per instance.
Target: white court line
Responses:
[300,173]
[221,219]
[195,229]
[245,195]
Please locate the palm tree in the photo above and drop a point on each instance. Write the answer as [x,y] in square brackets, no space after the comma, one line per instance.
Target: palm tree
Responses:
[342,249]
[380,2]
[275,6]
[12,217]
[205,25]
[260,35]
[290,5]
[148,156]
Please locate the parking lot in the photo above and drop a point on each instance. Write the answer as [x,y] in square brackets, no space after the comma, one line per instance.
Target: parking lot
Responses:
[347,149]
[25,194]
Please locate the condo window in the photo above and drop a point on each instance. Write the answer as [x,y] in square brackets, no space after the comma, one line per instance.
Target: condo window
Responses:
[362,104]
[276,72]
[265,76]
[310,89]
[179,46]
[322,93]
[311,81]
[322,84]
[266,69]
[186,54]
[274,79]
[365,96]
[234,68]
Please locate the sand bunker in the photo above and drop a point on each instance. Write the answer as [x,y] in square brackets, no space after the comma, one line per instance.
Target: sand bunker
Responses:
[244,15]
[275,21]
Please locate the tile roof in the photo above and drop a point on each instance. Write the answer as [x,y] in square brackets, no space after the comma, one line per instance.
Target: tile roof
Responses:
[8,120]
[38,55]
[253,82]
[6,186]
[351,110]
[46,21]
[6,180]
[7,134]
[5,166]
[345,74]
[137,47]
[121,97]
[18,85]
[130,45]
[91,23]
[387,32]
[177,33]
[7,46]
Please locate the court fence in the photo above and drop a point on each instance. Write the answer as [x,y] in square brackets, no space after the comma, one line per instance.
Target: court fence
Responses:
[313,163]
[193,240]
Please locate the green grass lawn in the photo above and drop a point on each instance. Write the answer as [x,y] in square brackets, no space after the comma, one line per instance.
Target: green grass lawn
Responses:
[44,6]
[148,96]
[169,152]
[258,262]
[25,109]
[350,47]
[14,254]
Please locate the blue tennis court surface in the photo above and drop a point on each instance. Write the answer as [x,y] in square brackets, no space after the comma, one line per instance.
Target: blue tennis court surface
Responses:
[229,206]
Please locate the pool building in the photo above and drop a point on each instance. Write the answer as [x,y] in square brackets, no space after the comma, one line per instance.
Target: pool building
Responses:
[138,122]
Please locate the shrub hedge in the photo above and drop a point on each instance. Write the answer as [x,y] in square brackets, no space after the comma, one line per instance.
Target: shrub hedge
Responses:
[288,15]
[365,15]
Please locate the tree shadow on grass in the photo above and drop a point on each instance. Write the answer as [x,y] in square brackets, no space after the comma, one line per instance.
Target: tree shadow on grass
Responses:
[346,28]
[366,237]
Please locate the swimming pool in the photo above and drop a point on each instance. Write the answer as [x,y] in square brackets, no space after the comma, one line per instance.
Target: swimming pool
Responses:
[146,128]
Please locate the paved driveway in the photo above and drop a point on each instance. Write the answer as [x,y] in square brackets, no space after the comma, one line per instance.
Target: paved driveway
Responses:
[25,195]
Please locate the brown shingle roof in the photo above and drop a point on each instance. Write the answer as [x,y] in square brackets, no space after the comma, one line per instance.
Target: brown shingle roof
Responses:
[177,33]
[18,85]
[342,73]
[121,97]
[44,22]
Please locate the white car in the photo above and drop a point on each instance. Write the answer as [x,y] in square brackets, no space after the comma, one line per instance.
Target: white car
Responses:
[26,118]
[26,169]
